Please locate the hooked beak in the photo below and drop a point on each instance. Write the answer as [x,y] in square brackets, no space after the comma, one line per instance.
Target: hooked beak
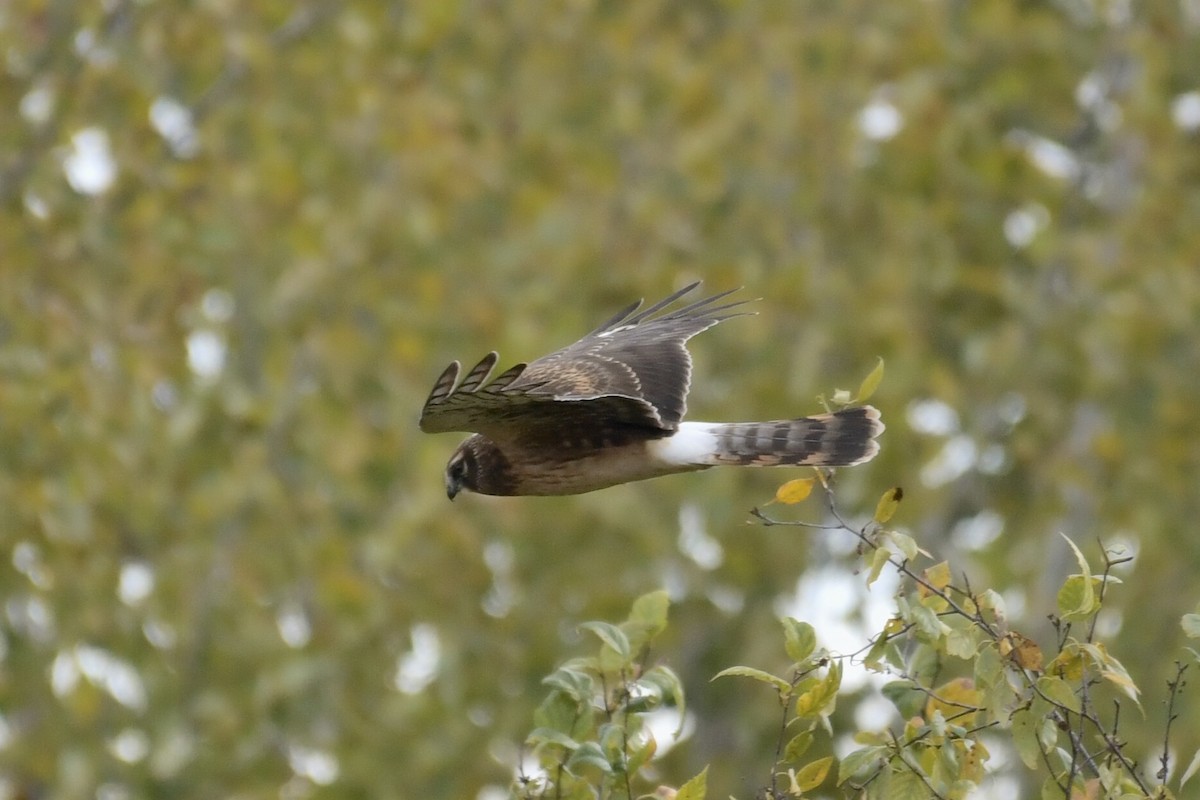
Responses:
[452,489]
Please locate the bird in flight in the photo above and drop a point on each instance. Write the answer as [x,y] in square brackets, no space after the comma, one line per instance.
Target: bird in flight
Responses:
[609,409]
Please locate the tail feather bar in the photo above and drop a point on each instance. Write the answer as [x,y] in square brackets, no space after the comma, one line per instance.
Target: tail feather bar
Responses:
[839,439]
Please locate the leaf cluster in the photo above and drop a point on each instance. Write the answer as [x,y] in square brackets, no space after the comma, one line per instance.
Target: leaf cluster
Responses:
[964,682]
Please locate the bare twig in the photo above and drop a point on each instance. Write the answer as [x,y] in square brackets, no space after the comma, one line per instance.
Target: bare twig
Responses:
[1174,686]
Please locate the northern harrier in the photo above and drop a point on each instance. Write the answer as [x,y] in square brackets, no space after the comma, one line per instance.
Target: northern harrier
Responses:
[609,409]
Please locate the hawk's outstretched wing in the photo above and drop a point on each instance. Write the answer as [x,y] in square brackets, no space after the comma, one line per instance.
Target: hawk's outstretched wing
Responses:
[633,370]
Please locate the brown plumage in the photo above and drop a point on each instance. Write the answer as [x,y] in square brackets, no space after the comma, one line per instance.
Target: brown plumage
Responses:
[609,409]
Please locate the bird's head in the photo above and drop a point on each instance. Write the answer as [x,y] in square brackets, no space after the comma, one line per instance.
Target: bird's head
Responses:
[478,465]
[461,470]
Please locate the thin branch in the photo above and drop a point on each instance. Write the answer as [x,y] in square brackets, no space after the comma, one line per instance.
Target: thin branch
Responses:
[1173,686]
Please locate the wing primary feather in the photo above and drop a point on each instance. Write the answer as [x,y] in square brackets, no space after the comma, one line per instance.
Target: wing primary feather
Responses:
[661,304]
[478,373]
[443,387]
[706,305]
[617,318]
[507,377]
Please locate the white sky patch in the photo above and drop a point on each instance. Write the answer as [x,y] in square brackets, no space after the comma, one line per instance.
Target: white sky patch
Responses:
[36,205]
[663,723]
[31,616]
[89,48]
[726,599]
[174,123]
[27,560]
[217,305]
[957,455]
[159,634]
[130,745]
[1185,111]
[502,596]
[89,165]
[993,460]
[977,532]
[932,417]
[845,612]
[136,582]
[206,352]
[874,713]
[1051,157]
[101,669]
[294,627]
[879,120]
[694,541]
[319,766]
[418,667]
[1014,602]
[1022,225]
[1012,407]
[164,395]
[37,105]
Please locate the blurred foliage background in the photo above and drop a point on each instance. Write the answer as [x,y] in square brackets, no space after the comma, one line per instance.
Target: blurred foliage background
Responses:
[240,240]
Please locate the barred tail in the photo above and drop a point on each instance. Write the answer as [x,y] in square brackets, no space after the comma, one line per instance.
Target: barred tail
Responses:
[839,439]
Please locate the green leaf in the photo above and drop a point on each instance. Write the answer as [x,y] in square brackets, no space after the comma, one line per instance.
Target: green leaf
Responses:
[962,643]
[612,636]
[1083,565]
[798,745]
[810,776]
[800,640]
[1059,692]
[905,544]
[541,736]
[1191,770]
[928,623]
[577,685]
[907,699]
[1024,734]
[869,383]
[561,713]
[907,786]
[612,736]
[878,560]
[695,789]
[859,762]
[757,674]
[1077,599]
[588,754]
[650,610]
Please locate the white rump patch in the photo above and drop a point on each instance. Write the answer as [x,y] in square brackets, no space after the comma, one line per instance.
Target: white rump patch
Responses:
[694,444]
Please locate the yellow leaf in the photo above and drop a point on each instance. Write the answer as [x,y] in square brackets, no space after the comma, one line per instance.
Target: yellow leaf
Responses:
[695,789]
[870,383]
[795,491]
[812,775]
[952,697]
[937,576]
[888,504]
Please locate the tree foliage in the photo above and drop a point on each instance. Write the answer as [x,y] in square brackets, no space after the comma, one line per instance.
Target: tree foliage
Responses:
[963,683]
